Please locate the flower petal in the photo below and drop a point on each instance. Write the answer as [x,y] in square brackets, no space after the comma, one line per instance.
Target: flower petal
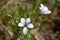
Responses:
[25,30]
[30,25]
[28,20]
[42,7]
[48,12]
[21,25]
[45,8]
[22,20]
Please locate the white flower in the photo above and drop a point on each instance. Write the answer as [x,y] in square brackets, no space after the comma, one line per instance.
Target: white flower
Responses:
[24,23]
[44,9]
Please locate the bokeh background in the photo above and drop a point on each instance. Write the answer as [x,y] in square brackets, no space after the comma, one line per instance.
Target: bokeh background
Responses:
[46,27]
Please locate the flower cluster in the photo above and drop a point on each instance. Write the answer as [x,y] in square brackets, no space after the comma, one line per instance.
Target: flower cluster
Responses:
[25,23]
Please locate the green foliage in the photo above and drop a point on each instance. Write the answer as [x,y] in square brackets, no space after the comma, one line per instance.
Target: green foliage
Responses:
[44,1]
[28,37]
[30,8]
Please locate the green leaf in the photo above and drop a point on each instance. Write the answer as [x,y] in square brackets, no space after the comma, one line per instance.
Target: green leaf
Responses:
[28,37]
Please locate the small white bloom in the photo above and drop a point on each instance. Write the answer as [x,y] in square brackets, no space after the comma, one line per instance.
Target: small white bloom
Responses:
[25,22]
[25,30]
[44,9]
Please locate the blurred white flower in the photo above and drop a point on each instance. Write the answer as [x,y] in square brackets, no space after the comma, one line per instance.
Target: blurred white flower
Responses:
[25,22]
[44,9]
